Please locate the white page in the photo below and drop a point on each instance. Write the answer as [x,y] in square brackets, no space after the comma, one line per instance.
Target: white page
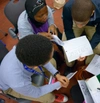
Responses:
[57,40]
[94,93]
[70,75]
[77,47]
[94,66]
[93,83]
[85,91]
[96,96]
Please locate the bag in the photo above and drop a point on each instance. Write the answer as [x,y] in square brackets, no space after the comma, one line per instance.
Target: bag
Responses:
[76,94]
[59,3]
[6,99]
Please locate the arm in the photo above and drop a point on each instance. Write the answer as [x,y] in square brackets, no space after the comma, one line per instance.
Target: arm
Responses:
[24,27]
[62,79]
[96,37]
[50,68]
[50,16]
[36,92]
[67,20]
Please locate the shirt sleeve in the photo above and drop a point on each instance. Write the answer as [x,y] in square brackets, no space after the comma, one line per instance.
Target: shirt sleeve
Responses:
[50,68]
[67,20]
[96,37]
[50,16]
[24,27]
[36,92]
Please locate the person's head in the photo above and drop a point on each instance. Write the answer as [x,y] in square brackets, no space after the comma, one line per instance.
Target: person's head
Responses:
[34,50]
[82,10]
[37,10]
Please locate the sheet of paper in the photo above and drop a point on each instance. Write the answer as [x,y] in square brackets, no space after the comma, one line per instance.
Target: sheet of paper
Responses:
[70,75]
[86,94]
[96,96]
[93,83]
[94,66]
[57,40]
[77,47]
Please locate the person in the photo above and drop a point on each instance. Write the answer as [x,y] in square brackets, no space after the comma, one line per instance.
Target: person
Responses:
[37,18]
[82,17]
[24,60]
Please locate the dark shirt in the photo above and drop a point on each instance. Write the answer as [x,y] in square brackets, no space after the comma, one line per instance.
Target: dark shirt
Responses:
[94,20]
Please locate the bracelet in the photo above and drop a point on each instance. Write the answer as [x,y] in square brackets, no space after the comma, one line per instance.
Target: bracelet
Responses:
[56,73]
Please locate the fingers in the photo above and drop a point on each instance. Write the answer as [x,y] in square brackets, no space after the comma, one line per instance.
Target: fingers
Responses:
[81,58]
[47,35]
[64,82]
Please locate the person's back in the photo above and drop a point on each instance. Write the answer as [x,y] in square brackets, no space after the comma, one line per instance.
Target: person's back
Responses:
[83,17]
[24,60]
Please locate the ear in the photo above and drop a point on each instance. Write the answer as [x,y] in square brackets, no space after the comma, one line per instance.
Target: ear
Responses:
[92,12]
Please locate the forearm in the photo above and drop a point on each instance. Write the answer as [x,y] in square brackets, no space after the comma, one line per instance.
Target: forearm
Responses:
[36,92]
[50,68]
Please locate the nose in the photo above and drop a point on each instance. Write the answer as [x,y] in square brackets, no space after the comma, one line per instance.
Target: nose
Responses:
[44,18]
[80,25]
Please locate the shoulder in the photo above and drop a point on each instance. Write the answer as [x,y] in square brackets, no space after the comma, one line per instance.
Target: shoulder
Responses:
[23,18]
[68,4]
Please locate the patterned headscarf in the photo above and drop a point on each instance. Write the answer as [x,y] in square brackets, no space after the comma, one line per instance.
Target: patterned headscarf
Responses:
[33,6]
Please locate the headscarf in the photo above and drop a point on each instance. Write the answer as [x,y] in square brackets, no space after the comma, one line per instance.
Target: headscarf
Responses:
[32,7]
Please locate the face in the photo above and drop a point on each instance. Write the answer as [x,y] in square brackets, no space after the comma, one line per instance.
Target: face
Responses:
[41,15]
[81,24]
[51,55]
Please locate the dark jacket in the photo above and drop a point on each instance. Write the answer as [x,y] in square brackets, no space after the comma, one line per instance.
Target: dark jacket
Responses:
[94,20]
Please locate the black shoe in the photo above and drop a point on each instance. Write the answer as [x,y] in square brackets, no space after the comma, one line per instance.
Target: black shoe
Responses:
[68,70]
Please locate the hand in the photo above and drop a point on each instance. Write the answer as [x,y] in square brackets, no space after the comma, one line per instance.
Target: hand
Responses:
[81,58]
[47,35]
[52,29]
[63,80]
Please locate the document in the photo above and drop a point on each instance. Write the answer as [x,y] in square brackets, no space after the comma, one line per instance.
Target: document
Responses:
[74,48]
[94,66]
[57,40]
[93,86]
[77,47]
[86,94]
[70,75]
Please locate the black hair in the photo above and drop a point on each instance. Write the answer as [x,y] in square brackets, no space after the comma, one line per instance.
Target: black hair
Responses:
[34,50]
[82,10]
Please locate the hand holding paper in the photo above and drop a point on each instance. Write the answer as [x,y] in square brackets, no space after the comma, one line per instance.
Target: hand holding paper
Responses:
[77,47]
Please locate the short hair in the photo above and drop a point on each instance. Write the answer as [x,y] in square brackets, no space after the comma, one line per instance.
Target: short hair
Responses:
[34,50]
[82,10]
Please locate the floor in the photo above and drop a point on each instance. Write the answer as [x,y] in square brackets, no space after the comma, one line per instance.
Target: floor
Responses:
[5,24]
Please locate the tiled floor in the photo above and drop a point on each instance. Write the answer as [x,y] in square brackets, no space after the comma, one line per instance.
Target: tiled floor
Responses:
[5,24]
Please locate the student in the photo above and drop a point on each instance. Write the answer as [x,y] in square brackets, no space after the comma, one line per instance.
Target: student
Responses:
[22,62]
[38,19]
[83,17]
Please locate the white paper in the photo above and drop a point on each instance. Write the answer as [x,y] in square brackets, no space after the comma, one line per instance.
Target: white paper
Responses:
[57,40]
[94,66]
[95,93]
[77,47]
[70,75]
[93,83]
[86,94]
[96,96]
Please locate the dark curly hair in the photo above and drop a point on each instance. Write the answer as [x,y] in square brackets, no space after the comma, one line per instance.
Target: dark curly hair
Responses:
[34,50]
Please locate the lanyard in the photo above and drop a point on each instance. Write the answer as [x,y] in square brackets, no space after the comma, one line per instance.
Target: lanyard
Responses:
[34,71]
